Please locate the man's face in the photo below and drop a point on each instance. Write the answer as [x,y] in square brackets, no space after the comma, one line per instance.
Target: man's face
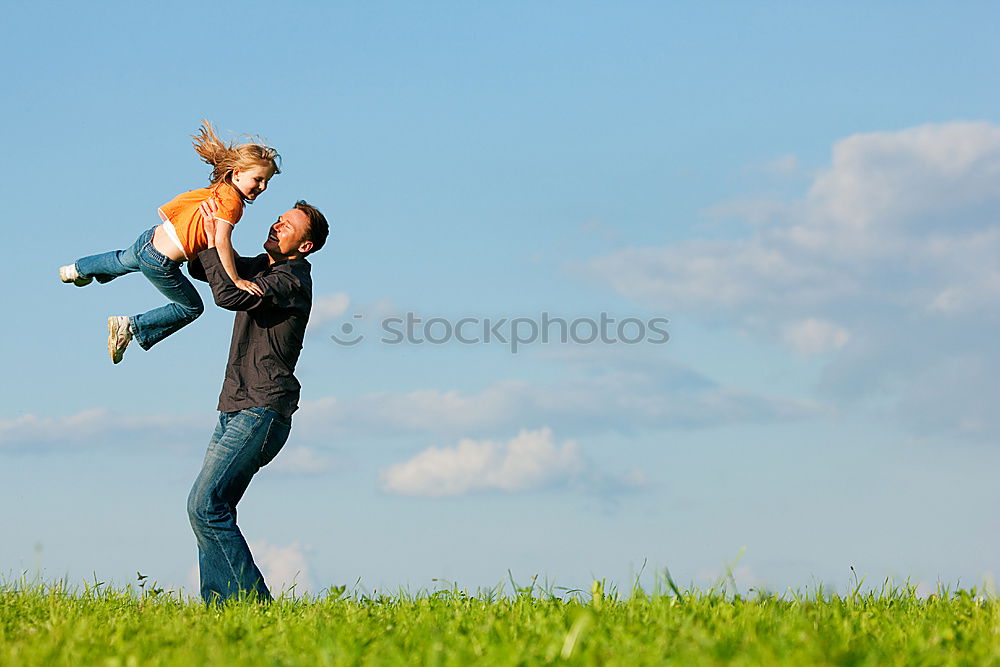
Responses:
[287,238]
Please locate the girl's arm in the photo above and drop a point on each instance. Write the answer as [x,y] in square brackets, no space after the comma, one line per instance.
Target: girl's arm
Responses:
[224,246]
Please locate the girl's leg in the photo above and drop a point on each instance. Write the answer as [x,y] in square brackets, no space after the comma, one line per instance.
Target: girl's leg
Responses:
[186,305]
[109,265]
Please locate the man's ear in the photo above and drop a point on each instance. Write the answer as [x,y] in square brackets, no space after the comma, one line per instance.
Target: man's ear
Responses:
[305,247]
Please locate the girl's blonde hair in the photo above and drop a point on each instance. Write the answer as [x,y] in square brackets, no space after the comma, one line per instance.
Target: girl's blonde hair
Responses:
[226,158]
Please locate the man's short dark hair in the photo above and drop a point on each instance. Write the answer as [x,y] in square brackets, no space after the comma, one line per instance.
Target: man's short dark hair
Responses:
[319,229]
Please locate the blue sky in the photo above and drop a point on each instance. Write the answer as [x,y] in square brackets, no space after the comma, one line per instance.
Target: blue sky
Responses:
[808,193]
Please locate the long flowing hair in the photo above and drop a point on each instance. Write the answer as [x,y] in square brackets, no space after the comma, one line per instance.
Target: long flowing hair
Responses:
[224,158]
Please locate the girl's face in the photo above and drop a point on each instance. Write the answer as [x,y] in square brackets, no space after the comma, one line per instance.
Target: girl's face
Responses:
[253,181]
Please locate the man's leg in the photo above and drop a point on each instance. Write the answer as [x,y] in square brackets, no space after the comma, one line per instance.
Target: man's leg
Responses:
[243,442]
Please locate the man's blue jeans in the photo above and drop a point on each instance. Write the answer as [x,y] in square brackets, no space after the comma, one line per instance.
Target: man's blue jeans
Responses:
[165,274]
[242,444]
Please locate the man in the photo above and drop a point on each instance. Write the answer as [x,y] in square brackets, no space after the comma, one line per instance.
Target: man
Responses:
[259,393]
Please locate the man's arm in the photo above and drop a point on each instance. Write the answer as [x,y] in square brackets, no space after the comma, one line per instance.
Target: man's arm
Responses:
[245,266]
[196,270]
[279,288]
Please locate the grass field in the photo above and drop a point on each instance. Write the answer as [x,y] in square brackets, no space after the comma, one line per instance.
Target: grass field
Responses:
[57,625]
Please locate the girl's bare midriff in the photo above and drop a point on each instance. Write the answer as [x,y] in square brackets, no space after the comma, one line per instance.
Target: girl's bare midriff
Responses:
[165,246]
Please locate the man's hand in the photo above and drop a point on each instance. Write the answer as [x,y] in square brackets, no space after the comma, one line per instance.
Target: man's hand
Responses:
[208,209]
[248,286]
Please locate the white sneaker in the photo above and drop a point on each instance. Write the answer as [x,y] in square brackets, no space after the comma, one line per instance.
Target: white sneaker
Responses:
[69,274]
[119,336]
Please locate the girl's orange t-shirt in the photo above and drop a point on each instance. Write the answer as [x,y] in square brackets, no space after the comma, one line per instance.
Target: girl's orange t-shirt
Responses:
[184,214]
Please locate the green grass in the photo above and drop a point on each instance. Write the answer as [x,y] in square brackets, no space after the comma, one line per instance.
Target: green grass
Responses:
[55,625]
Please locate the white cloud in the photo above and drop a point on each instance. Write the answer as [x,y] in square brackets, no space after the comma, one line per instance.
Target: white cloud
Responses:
[931,173]
[33,433]
[912,210]
[282,567]
[812,336]
[97,425]
[756,211]
[530,460]
[193,583]
[783,165]
[624,390]
[328,308]
[601,230]
[633,392]
[890,256]
[301,461]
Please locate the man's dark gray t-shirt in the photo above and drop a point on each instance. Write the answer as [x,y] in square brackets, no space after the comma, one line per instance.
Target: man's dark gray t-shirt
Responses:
[267,332]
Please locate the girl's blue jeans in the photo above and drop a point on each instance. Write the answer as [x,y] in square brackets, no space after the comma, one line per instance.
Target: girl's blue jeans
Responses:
[151,327]
[242,444]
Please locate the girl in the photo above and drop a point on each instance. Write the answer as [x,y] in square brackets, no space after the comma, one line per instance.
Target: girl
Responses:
[240,173]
